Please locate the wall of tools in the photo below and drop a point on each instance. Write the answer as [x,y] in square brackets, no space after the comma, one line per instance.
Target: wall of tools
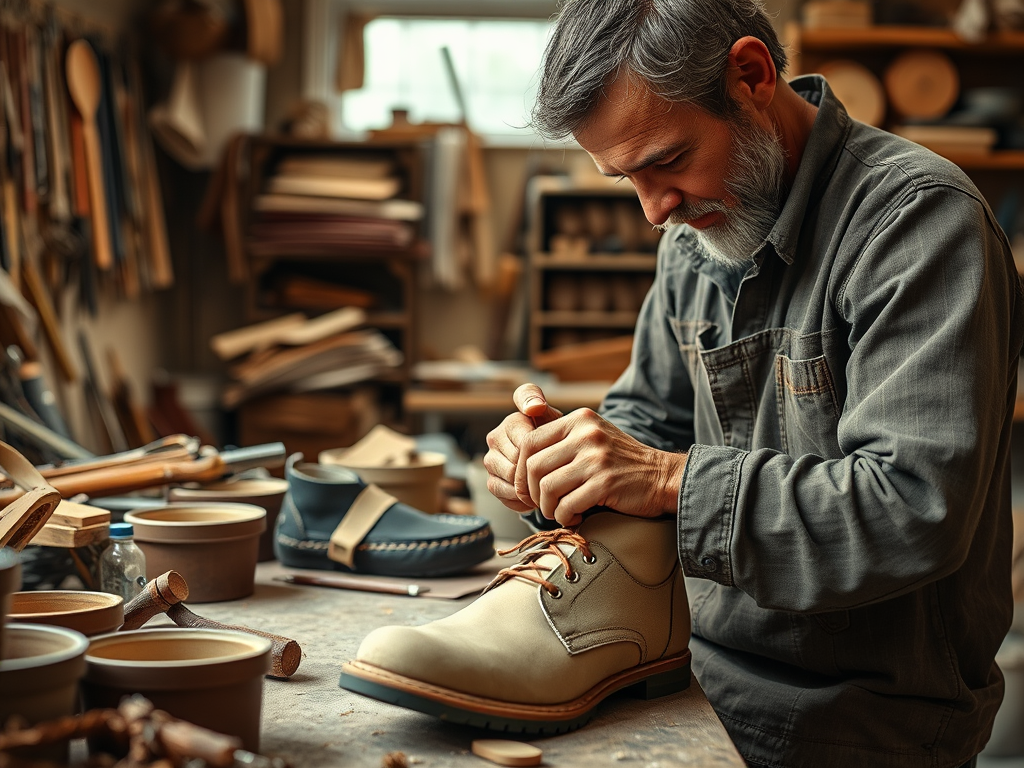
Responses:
[83,238]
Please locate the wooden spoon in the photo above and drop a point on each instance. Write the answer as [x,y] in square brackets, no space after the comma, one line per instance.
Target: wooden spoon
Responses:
[83,76]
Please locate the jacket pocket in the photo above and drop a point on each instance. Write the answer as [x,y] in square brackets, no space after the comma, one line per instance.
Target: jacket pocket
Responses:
[689,339]
[808,407]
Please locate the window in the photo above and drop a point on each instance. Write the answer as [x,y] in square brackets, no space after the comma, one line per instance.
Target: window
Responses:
[496,62]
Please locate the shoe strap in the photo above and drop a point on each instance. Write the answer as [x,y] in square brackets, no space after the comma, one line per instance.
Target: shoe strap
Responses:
[367,508]
[24,517]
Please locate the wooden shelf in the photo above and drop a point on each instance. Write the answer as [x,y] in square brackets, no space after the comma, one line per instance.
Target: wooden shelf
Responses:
[574,210]
[387,319]
[386,270]
[1000,160]
[586,319]
[885,36]
[266,252]
[599,262]
[566,396]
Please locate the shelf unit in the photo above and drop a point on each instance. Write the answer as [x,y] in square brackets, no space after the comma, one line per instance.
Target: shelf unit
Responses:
[386,274]
[997,60]
[592,259]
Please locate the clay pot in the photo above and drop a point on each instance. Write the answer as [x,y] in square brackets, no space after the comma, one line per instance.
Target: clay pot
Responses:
[595,293]
[563,293]
[624,295]
[91,613]
[39,676]
[263,492]
[212,678]
[413,482]
[212,545]
[10,582]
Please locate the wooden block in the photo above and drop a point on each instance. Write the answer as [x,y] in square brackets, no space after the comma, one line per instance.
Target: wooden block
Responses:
[74,515]
[600,360]
[52,535]
[504,752]
[231,344]
[951,139]
[380,446]
[837,13]
[309,423]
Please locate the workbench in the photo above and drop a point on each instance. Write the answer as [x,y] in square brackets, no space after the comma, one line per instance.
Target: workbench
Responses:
[311,722]
[437,405]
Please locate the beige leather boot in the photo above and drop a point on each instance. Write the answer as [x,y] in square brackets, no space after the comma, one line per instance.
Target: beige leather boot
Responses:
[586,612]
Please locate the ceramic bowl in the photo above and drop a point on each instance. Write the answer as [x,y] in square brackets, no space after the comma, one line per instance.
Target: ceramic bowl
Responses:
[91,613]
[39,676]
[214,546]
[212,678]
[262,492]
[414,483]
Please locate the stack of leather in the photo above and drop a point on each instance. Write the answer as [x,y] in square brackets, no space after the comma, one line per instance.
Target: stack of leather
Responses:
[320,203]
[296,354]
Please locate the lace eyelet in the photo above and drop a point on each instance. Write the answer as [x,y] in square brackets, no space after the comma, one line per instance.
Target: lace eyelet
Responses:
[590,560]
[573,578]
[556,594]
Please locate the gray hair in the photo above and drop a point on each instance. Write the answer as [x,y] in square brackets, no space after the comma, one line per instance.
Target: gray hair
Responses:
[677,48]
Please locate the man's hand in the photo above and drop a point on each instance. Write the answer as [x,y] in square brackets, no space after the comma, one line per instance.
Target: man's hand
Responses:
[503,444]
[581,461]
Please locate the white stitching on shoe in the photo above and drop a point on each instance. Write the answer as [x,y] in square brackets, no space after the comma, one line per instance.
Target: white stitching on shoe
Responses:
[467,538]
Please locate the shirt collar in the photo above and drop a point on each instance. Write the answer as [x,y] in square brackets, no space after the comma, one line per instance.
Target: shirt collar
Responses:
[821,153]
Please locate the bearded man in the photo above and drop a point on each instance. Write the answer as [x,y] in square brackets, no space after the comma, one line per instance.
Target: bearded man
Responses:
[821,390]
[814,427]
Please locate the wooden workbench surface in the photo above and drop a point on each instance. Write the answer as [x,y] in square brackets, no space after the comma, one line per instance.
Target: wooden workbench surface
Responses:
[310,721]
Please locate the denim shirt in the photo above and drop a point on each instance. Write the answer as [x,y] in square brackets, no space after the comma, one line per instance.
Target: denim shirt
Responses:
[844,516]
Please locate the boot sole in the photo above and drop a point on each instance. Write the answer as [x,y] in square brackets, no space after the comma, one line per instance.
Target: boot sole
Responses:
[468,556]
[648,681]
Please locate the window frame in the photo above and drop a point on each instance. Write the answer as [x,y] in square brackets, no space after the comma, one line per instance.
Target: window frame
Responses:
[323,20]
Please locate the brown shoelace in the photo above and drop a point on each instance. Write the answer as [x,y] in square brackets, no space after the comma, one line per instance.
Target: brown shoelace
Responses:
[535,547]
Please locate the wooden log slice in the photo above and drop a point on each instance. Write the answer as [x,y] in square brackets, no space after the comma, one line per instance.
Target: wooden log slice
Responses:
[857,88]
[922,83]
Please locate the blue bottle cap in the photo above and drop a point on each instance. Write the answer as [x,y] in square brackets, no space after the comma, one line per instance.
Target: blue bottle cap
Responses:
[121,530]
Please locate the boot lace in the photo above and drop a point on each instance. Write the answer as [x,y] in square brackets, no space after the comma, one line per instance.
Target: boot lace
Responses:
[535,547]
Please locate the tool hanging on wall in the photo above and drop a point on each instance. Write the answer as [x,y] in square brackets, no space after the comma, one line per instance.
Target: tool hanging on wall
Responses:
[81,210]
[83,76]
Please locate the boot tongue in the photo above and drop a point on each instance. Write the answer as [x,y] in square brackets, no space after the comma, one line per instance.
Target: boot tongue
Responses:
[550,561]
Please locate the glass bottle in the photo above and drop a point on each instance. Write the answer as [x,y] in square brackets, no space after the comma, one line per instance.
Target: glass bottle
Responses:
[122,564]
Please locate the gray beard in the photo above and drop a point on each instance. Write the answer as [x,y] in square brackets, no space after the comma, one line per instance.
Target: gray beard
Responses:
[755,179]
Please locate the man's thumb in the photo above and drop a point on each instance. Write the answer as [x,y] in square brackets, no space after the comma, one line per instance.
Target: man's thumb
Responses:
[530,400]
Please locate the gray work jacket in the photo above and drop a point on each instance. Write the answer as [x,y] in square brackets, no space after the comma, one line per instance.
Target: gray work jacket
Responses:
[847,405]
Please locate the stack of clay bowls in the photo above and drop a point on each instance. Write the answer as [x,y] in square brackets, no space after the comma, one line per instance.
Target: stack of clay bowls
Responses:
[392,462]
[413,482]
[10,582]
[39,675]
[214,546]
[212,678]
[266,492]
[91,613]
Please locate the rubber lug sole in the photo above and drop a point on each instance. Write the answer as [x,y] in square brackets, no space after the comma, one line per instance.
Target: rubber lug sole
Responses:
[648,681]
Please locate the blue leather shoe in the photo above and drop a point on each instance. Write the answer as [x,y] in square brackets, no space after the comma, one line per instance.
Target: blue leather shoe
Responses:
[332,520]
